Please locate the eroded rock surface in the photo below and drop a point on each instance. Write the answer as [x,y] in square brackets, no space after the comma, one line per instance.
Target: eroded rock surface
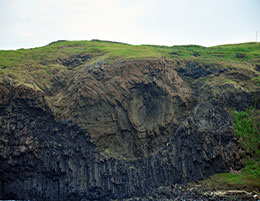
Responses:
[42,159]
[119,131]
[128,107]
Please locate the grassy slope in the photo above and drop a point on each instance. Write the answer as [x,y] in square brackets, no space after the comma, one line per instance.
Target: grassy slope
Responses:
[30,66]
[110,50]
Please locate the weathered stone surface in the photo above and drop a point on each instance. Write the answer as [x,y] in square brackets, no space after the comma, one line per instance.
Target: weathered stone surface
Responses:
[158,119]
[41,159]
[196,70]
[129,107]
[132,108]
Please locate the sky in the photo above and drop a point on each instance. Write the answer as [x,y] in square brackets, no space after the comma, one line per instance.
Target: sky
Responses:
[33,23]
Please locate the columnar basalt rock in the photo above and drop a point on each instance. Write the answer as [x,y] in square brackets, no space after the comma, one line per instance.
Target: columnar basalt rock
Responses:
[129,107]
[42,159]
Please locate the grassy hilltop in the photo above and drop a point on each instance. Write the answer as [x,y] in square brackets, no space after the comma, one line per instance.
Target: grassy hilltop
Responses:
[30,65]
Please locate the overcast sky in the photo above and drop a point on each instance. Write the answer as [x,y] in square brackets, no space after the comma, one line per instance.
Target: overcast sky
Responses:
[31,23]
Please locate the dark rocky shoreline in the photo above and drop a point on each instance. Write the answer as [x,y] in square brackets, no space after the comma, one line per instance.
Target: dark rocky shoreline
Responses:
[190,193]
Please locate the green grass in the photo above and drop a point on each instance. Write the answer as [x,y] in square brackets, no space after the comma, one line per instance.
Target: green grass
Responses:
[37,67]
[33,65]
[247,127]
[256,80]
[248,178]
[110,50]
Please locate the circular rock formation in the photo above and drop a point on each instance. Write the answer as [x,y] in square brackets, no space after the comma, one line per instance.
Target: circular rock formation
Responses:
[129,107]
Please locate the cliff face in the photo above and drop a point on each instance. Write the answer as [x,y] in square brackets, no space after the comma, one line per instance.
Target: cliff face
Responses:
[43,159]
[97,130]
[130,107]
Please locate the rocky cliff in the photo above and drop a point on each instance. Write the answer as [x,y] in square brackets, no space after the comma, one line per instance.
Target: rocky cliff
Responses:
[44,159]
[129,107]
[118,130]
[132,108]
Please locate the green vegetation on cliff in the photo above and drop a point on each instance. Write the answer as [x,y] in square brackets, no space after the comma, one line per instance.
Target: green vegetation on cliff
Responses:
[238,53]
[247,127]
[36,67]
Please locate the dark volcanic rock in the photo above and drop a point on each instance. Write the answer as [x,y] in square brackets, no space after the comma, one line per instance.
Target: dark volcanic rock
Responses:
[258,67]
[240,55]
[76,60]
[196,54]
[42,159]
[196,70]
[131,108]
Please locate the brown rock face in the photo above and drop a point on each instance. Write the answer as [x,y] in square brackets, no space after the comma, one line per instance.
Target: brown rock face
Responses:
[129,107]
